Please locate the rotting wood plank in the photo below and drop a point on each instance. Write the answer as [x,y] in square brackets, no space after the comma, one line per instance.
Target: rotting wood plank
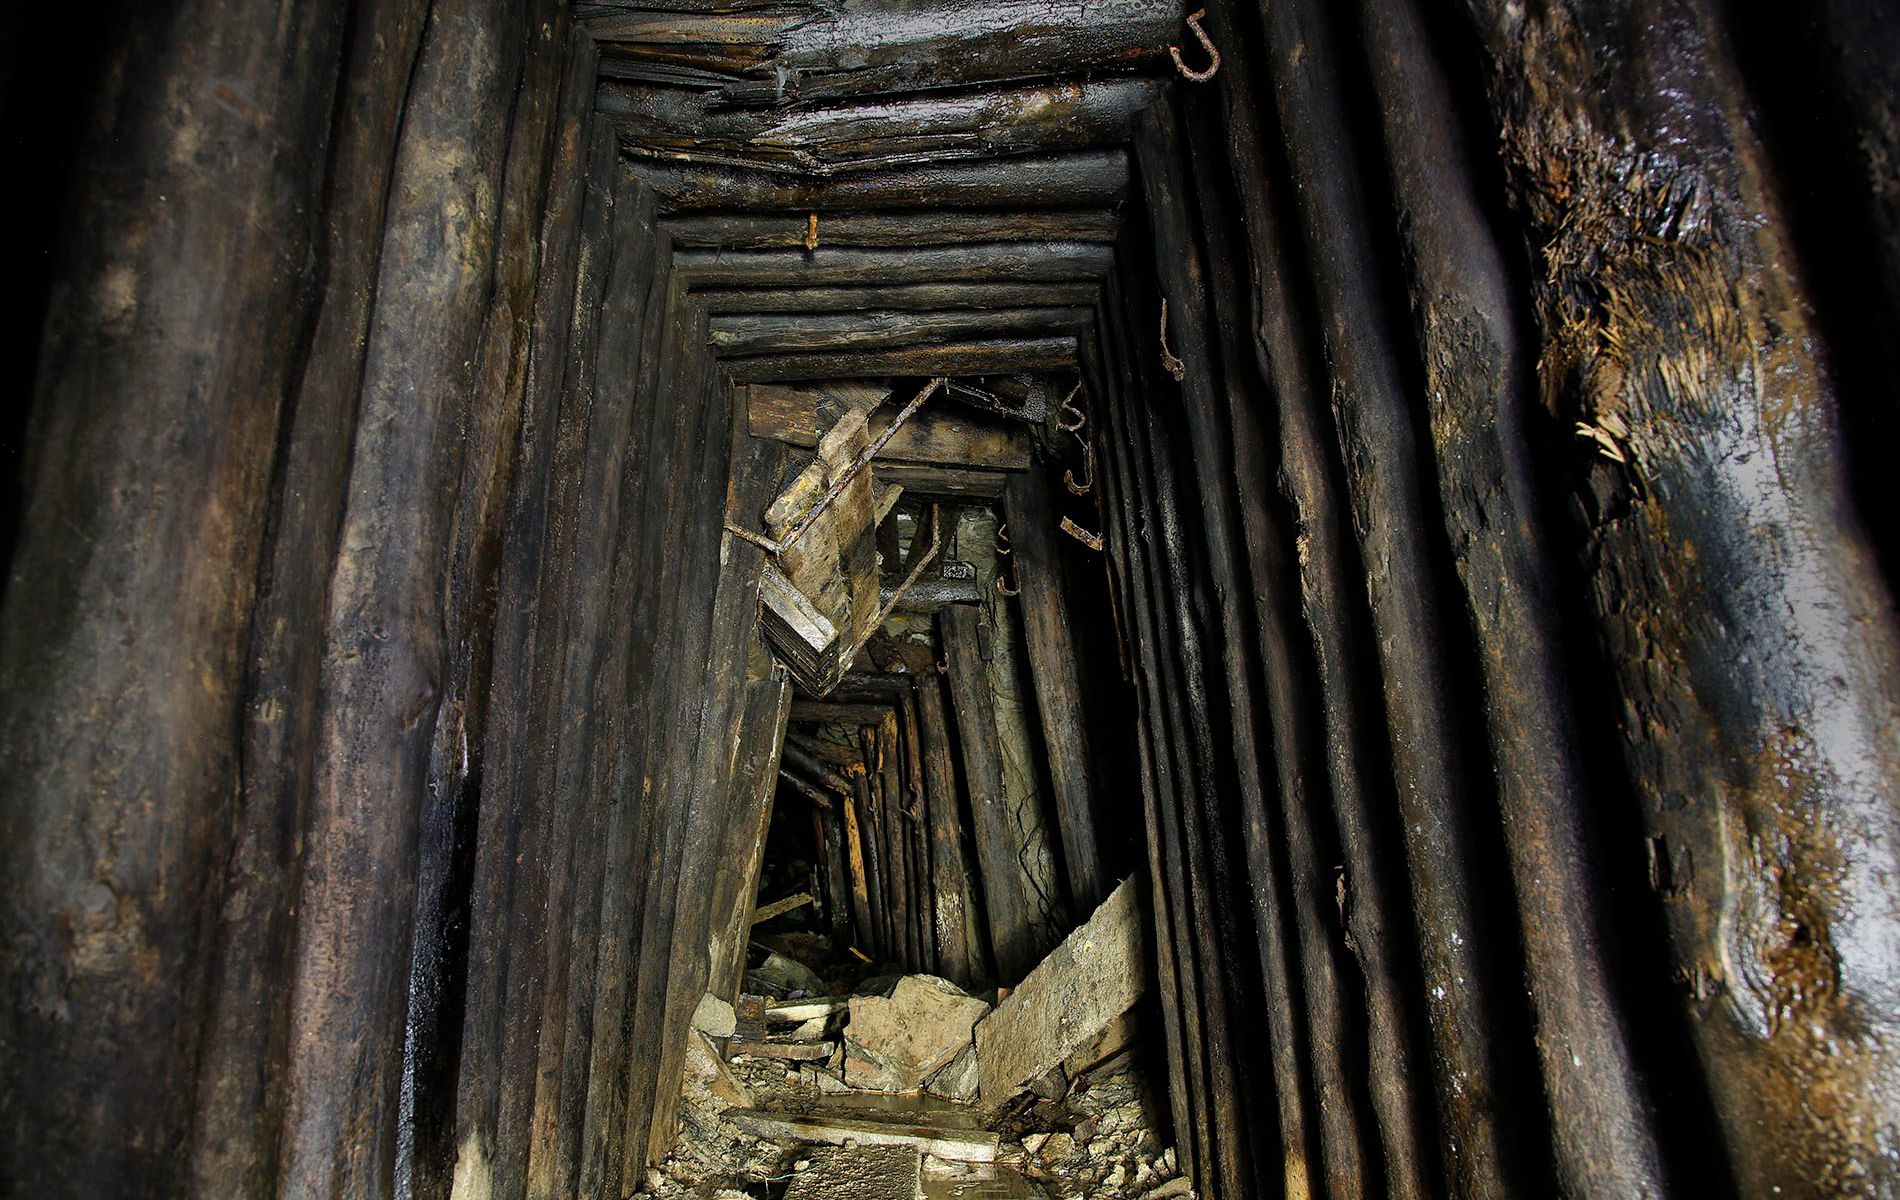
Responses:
[950,358]
[1012,915]
[767,333]
[766,231]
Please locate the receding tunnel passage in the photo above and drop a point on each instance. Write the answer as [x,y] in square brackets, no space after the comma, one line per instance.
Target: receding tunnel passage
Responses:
[807,599]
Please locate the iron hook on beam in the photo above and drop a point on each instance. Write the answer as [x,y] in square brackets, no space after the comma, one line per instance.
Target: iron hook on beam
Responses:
[1207,43]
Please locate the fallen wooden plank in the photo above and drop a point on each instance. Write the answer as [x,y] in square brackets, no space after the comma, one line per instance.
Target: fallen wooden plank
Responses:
[772,1048]
[779,908]
[960,1145]
[1093,977]
[797,1012]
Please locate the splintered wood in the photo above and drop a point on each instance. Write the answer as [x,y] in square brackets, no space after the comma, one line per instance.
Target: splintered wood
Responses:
[822,593]
[821,598]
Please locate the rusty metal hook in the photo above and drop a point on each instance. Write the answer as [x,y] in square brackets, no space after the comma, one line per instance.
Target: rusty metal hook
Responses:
[1088,463]
[1207,43]
[1092,540]
[1002,539]
[1175,366]
[1068,406]
[1007,589]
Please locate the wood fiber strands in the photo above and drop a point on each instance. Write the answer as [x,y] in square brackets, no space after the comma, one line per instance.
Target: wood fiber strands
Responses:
[1762,712]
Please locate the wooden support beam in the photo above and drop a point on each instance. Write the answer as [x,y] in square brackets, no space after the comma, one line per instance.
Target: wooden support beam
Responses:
[826,713]
[1012,917]
[792,230]
[947,436]
[680,125]
[955,358]
[978,262]
[767,333]
[948,482]
[1079,177]
[841,48]
[1050,647]
[914,297]
[950,899]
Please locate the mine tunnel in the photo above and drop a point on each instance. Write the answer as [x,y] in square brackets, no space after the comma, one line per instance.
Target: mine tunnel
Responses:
[822,599]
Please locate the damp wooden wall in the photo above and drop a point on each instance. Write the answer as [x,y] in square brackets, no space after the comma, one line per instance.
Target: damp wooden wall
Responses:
[1510,601]
[379,676]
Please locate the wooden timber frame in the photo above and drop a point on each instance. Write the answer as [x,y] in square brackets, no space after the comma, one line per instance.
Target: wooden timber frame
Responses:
[1487,403]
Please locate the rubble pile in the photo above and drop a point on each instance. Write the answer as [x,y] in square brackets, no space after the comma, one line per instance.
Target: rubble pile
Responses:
[885,1094]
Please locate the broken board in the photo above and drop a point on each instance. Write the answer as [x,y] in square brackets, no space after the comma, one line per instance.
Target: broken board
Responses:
[1077,991]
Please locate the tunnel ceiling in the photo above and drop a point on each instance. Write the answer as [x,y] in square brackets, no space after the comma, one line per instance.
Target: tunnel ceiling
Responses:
[873,189]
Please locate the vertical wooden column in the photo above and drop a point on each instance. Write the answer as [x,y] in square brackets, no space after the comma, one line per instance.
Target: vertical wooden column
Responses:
[1050,646]
[1011,917]
[171,346]
[950,901]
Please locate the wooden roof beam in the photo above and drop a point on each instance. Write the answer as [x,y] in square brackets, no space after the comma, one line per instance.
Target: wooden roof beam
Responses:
[768,231]
[1072,178]
[682,125]
[907,296]
[985,357]
[832,49]
[766,333]
[982,262]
